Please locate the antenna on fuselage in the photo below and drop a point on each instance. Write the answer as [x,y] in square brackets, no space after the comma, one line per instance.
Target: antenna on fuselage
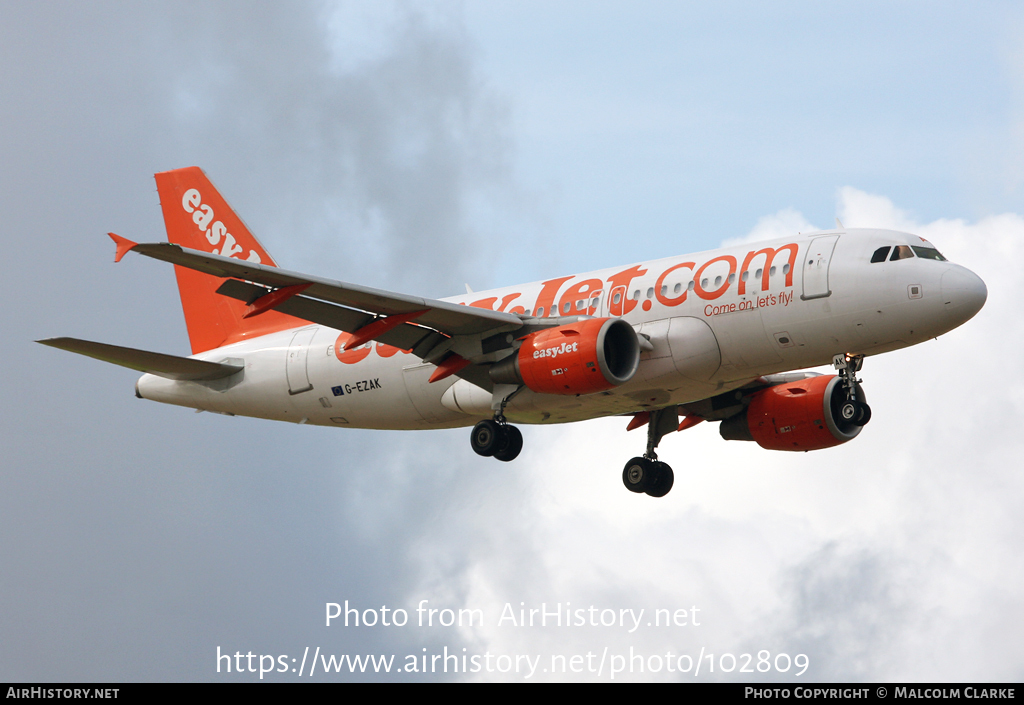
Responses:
[839,224]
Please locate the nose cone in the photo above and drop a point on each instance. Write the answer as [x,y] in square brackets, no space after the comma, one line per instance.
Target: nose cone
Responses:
[963,293]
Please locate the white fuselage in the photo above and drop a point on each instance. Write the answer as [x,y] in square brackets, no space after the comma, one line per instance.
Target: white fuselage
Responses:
[715,321]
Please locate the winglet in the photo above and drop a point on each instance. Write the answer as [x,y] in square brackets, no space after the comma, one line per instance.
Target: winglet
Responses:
[124,246]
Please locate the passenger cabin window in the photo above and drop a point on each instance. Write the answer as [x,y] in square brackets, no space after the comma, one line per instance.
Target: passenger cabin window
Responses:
[880,254]
[927,253]
[901,252]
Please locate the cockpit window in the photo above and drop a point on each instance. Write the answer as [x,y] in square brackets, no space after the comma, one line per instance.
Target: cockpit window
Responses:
[928,253]
[880,254]
[901,252]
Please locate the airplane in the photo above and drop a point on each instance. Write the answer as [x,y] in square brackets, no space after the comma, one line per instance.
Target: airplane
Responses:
[712,336]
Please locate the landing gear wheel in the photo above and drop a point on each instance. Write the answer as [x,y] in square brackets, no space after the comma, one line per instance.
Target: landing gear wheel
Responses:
[486,438]
[509,443]
[849,412]
[662,481]
[863,414]
[854,411]
[637,475]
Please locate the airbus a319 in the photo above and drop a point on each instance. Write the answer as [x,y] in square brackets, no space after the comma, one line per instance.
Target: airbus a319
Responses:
[713,336]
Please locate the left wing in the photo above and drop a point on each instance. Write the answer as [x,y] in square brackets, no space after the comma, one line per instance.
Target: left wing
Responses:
[452,319]
[459,339]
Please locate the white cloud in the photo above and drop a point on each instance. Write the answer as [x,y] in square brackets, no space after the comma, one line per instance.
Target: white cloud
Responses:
[782,224]
[858,209]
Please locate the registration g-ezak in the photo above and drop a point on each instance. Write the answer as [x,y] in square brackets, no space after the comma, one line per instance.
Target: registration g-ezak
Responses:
[714,336]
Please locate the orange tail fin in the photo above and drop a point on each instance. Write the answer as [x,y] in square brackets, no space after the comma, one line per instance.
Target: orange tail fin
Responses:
[198,217]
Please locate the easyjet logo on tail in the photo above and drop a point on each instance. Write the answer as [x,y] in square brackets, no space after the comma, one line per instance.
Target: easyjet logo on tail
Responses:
[216,232]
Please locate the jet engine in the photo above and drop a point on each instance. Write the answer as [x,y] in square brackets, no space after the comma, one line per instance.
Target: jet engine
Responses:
[588,356]
[808,414]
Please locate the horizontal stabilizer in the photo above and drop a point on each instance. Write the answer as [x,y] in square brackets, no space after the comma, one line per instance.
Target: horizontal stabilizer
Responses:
[169,366]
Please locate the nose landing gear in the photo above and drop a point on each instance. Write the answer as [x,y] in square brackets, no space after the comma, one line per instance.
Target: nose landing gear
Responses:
[647,474]
[854,410]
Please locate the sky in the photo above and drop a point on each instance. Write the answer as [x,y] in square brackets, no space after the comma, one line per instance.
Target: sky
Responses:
[417,147]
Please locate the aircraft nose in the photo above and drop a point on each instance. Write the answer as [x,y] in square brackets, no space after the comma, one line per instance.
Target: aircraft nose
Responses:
[963,293]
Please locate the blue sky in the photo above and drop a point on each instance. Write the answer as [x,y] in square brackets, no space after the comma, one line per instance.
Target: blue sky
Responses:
[676,109]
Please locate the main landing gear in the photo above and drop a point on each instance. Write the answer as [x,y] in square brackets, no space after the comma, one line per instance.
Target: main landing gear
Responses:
[497,439]
[854,411]
[649,475]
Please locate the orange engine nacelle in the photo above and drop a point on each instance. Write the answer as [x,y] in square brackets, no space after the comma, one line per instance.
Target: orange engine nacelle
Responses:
[801,415]
[577,358]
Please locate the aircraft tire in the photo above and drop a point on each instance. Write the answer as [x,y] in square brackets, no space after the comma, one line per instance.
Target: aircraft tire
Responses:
[510,443]
[664,478]
[637,475]
[486,438]
[863,414]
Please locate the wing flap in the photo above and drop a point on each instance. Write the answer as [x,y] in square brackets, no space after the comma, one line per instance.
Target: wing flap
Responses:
[169,366]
